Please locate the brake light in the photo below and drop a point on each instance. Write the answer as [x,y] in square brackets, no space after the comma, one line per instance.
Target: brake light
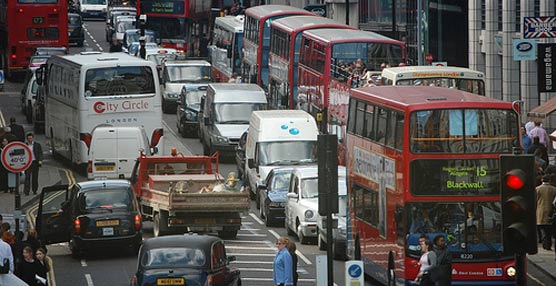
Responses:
[137,221]
[86,137]
[55,10]
[90,167]
[155,138]
[20,10]
[13,56]
[77,226]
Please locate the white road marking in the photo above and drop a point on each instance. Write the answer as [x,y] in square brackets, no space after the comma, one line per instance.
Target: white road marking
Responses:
[305,259]
[257,219]
[89,280]
[251,235]
[246,241]
[83,263]
[275,234]
[532,278]
[252,254]
[248,247]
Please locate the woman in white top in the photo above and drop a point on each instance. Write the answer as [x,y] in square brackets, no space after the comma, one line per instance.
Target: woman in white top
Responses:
[427,262]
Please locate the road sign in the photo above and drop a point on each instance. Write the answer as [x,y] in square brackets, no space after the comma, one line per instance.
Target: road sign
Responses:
[16,157]
[539,27]
[354,273]
[1,77]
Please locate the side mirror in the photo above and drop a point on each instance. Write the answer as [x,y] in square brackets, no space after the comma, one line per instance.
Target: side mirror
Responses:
[261,187]
[291,196]
[250,163]
[154,150]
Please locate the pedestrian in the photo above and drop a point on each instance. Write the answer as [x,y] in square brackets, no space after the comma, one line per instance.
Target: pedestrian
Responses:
[45,263]
[282,275]
[3,170]
[546,193]
[28,268]
[32,240]
[6,253]
[17,130]
[442,274]
[115,46]
[427,262]
[32,173]
[537,145]
[525,139]
[292,248]
[538,131]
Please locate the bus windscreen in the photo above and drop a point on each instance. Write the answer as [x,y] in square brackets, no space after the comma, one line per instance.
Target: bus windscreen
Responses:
[130,80]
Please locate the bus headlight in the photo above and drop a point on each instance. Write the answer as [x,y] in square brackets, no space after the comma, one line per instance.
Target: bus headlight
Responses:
[309,214]
[510,271]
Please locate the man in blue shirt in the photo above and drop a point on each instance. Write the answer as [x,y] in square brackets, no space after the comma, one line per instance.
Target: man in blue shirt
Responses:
[283,275]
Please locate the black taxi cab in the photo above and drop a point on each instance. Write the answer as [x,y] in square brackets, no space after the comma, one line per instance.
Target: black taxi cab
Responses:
[92,214]
[188,259]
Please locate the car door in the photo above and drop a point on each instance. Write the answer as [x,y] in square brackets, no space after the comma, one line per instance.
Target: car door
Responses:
[221,274]
[292,202]
[53,219]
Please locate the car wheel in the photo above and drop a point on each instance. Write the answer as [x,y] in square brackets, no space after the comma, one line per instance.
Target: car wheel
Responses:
[300,236]
[288,229]
[228,234]
[261,212]
[29,113]
[321,243]
[268,219]
[257,199]
[181,129]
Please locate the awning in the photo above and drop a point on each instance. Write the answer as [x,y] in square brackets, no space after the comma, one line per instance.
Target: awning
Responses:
[540,112]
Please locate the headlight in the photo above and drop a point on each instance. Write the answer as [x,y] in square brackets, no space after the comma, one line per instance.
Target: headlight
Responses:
[510,271]
[172,95]
[309,214]
[276,205]
[220,139]
[190,115]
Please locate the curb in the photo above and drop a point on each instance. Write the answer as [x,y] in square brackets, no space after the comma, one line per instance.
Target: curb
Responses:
[542,269]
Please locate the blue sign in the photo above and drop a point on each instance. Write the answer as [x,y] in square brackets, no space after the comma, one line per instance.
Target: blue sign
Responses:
[539,27]
[1,77]
[524,50]
[354,271]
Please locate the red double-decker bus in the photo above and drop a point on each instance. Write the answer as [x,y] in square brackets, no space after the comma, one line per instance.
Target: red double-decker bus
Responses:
[256,40]
[285,43]
[178,24]
[332,62]
[27,24]
[425,161]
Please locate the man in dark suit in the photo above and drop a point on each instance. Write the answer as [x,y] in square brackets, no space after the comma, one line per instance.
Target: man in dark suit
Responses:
[33,172]
[17,130]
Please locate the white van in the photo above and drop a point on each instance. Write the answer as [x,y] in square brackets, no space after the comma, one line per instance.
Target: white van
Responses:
[225,113]
[114,150]
[278,138]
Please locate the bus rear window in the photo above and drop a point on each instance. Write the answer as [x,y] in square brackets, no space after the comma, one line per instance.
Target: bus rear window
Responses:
[119,81]
[463,131]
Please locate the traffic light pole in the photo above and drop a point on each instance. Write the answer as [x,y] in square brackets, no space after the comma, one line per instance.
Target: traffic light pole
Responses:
[520,275]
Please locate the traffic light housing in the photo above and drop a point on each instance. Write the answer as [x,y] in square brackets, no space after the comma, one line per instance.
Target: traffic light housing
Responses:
[518,199]
[328,173]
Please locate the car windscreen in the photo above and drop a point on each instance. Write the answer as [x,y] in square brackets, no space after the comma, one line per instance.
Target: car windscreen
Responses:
[186,74]
[173,256]
[92,201]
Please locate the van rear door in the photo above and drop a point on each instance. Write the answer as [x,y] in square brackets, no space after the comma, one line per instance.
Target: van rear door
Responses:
[128,146]
[105,154]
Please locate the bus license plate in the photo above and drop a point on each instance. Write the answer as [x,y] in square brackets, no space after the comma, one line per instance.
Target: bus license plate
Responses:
[107,231]
[170,281]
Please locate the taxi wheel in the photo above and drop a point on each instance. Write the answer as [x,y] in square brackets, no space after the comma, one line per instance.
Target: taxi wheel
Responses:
[300,236]
[290,232]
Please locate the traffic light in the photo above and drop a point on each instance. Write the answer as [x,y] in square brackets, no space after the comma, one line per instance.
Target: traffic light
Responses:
[328,174]
[519,226]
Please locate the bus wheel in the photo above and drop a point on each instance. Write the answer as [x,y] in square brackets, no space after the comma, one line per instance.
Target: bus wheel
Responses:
[357,253]
[391,269]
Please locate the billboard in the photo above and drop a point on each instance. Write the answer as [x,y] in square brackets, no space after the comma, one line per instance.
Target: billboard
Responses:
[539,27]
[545,67]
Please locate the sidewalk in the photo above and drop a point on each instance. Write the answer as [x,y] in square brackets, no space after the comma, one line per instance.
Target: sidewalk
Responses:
[544,260]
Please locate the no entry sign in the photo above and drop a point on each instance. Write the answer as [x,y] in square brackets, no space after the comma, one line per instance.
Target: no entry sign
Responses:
[16,157]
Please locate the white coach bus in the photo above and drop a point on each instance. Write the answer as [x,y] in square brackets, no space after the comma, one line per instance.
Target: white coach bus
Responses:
[93,89]
[442,76]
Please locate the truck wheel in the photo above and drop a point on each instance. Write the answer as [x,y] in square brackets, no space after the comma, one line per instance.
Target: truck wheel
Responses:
[160,224]
[228,234]
[321,243]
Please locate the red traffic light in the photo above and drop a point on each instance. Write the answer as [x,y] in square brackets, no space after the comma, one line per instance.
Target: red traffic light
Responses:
[515,179]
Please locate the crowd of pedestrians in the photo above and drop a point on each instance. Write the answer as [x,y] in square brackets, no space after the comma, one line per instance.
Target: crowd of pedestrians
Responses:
[435,263]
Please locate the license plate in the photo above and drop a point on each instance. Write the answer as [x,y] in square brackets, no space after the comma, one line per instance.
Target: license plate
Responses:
[112,222]
[205,221]
[107,231]
[104,168]
[170,281]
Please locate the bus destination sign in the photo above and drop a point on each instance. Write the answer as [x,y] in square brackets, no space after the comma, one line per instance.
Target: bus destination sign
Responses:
[449,177]
[163,7]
